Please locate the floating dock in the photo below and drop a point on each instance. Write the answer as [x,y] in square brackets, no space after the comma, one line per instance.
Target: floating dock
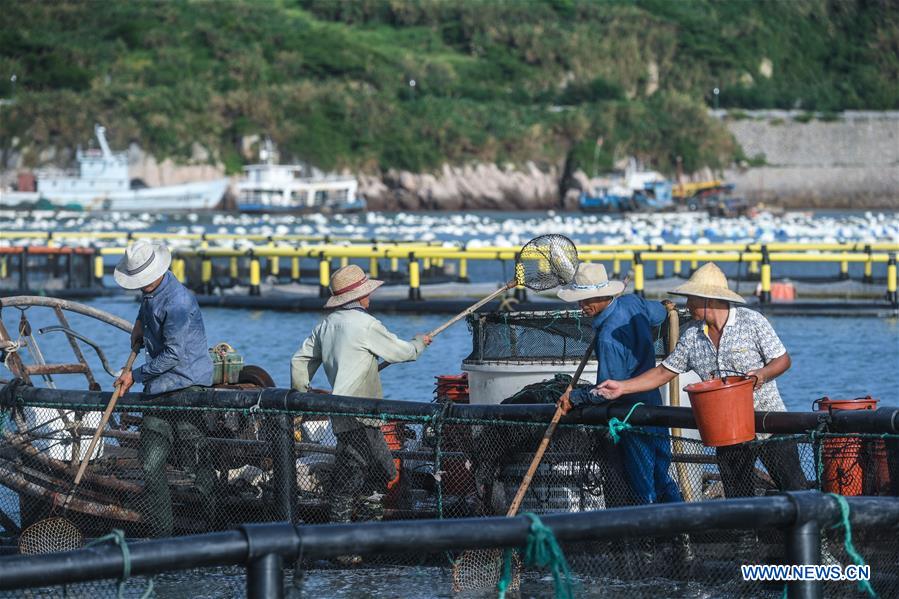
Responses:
[290,272]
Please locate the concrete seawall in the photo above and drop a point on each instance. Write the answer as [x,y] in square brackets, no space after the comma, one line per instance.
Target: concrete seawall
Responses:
[850,162]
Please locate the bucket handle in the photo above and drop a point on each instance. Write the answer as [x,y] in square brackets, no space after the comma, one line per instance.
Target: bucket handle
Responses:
[738,373]
[830,408]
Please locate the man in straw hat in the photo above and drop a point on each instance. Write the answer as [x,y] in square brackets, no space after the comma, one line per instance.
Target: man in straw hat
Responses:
[348,343]
[724,340]
[625,348]
[170,325]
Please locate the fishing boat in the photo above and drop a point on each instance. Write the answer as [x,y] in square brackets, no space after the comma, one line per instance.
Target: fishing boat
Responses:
[102,183]
[636,189]
[294,188]
[713,196]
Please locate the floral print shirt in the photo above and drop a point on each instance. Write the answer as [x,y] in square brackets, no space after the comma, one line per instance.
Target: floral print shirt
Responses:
[748,342]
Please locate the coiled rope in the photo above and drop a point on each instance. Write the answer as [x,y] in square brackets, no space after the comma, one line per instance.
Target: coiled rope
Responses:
[543,551]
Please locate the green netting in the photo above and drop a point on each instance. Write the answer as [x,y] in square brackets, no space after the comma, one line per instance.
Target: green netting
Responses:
[202,469]
[525,337]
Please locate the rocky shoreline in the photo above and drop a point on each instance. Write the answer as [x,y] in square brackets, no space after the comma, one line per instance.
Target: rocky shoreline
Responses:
[846,162]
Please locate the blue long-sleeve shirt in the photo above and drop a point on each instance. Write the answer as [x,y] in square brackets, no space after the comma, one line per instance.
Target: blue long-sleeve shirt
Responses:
[625,346]
[175,340]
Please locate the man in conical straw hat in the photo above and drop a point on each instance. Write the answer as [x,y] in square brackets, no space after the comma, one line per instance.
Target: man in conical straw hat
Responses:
[348,343]
[170,325]
[725,340]
[625,348]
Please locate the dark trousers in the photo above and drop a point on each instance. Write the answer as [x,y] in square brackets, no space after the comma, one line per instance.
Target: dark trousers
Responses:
[362,469]
[647,460]
[736,463]
[158,436]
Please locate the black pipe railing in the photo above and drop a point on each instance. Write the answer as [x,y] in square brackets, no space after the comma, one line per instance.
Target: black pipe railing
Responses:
[263,548]
[882,420]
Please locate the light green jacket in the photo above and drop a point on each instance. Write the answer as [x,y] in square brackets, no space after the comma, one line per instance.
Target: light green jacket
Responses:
[348,344]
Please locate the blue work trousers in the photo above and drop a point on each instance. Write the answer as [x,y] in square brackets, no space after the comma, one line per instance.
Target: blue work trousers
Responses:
[647,457]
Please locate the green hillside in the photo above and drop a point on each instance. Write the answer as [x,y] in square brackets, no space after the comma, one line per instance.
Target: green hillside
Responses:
[499,81]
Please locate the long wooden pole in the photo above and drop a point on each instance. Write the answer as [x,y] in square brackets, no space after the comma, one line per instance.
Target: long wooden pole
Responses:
[674,401]
[461,315]
[548,435]
[99,432]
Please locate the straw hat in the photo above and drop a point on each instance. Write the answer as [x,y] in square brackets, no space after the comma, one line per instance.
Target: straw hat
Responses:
[708,282]
[590,280]
[143,263]
[349,284]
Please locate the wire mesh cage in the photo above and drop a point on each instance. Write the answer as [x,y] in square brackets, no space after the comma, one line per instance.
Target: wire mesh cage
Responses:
[204,466]
[531,336]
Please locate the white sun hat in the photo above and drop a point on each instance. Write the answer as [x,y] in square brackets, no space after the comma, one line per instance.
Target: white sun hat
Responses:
[142,264]
[590,280]
[348,284]
[708,282]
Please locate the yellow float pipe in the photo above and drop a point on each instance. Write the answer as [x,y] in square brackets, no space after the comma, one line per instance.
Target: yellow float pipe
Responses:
[255,275]
[324,275]
[638,274]
[98,266]
[414,279]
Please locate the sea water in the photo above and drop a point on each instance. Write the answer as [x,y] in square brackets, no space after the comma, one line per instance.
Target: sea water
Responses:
[836,357]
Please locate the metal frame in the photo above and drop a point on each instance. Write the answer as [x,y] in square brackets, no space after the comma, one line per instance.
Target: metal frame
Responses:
[263,549]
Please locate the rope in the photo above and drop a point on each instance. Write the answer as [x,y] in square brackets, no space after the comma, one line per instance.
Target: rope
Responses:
[118,537]
[818,447]
[437,424]
[543,551]
[857,559]
[616,427]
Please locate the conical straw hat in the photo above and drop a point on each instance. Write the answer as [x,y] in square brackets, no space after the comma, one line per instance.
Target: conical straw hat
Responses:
[349,284]
[709,282]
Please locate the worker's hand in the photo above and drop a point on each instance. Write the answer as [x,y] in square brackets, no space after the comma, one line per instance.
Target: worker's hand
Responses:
[124,381]
[609,389]
[565,402]
[426,339]
[669,305]
[760,378]
[137,334]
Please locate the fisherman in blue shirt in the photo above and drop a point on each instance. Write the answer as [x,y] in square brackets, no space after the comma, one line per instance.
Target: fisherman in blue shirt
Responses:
[171,327]
[625,346]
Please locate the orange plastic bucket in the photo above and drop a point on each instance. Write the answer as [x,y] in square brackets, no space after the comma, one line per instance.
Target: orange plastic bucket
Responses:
[723,410]
[842,457]
[393,435]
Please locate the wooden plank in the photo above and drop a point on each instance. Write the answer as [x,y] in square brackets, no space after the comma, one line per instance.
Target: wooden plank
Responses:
[55,369]
[91,382]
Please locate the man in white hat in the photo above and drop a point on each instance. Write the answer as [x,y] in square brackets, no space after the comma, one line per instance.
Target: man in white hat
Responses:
[348,343]
[724,340]
[625,348]
[171,327]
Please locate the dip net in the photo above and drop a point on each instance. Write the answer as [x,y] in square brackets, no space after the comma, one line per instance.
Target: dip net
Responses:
[546,262]
[49,536]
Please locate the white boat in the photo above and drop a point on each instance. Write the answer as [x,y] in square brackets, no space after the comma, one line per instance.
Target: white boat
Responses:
[271,187]
[102,183]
